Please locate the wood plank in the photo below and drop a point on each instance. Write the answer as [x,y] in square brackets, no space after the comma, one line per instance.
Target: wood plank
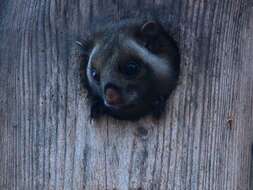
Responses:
[202,142]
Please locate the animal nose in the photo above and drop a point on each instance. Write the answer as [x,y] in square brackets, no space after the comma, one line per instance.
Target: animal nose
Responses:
[112,95]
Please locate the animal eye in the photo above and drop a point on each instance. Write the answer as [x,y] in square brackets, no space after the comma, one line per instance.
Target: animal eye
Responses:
[132,68]
[94,74]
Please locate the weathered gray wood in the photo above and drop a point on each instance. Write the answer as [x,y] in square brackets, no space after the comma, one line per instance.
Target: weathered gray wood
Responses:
[202,143]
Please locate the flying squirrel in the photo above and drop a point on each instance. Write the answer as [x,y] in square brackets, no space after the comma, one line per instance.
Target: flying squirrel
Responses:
[129,69]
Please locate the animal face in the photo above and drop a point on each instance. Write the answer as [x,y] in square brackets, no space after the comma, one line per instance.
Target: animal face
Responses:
[131,69]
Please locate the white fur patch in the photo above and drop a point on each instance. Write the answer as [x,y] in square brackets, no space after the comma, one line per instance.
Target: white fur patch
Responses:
[160,66]
[90,78]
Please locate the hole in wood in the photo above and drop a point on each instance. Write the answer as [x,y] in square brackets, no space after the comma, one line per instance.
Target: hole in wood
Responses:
[138,61]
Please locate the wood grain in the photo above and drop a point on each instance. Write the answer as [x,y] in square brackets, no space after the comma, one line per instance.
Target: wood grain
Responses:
[47,141]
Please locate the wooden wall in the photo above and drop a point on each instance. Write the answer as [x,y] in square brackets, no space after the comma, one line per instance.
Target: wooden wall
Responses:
[47,140]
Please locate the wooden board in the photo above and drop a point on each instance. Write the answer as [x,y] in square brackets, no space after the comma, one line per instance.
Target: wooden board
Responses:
[47,140]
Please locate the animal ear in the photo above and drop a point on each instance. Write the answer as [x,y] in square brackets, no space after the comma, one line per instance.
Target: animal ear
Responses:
[151,29]
[79,43]
[85,45]
[150,34]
